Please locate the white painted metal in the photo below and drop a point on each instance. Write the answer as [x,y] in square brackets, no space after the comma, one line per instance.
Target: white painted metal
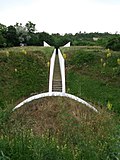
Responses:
[62,69]
[52,63]
[48,94]
[45,44]
[67,45]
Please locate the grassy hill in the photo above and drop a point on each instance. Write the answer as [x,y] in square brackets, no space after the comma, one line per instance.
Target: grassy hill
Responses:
[94,74]
[59,128]
[23,71]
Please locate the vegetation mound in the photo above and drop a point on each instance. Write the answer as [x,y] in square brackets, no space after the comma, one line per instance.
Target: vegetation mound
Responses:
[59,128]
[50,114]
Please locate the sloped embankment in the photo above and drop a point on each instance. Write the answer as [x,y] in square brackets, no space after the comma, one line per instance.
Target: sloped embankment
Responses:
[23,71]
[56,114]
[59,128]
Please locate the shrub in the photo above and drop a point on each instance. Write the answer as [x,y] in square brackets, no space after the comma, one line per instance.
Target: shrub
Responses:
[114,44]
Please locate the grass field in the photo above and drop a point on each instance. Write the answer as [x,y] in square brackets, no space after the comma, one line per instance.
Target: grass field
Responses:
[96,75]
[58,128]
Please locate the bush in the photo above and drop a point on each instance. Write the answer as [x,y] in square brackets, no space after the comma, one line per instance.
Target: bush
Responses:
[114,44]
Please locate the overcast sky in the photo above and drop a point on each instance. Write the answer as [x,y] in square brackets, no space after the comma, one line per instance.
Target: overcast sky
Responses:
[63,16]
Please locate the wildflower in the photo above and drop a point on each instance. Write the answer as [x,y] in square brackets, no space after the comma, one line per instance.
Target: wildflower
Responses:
[48,64]
[7,53]
[31,132]
[109,54]
[109,105]
[118,61]
[58,147]
[101,60]
[108,50]
[64,56]
[24,52]
[104,64]
[15,69]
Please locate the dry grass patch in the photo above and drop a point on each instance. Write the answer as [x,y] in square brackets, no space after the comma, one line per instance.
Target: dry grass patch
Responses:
[57,114]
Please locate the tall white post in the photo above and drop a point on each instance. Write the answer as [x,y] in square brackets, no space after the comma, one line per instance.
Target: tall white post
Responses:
[52,64]
[62,69]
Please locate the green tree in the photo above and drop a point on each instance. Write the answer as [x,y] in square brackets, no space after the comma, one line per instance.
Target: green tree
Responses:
[33,40]
[32,37]
[11,36]
[3,29]
[43,36]
[30,27]
[2,41]
[22,33]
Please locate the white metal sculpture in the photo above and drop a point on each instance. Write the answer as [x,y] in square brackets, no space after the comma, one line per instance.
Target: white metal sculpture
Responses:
[50,93]
[67,45]
[45,44]
[52,63]
[62,69]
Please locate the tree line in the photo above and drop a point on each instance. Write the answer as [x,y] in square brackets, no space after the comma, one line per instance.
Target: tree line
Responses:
[18,34]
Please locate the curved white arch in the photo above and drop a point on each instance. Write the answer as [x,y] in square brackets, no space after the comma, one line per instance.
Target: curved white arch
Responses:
[48,94]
